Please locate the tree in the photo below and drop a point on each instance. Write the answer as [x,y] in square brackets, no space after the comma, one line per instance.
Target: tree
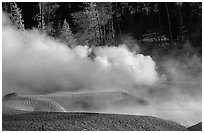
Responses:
[105,20]
[6,7]
[86,22]
[14,14]
[179,4]
[93,24]
[41,23]
[67,36]
[46,16]
[169,23]
[96,23]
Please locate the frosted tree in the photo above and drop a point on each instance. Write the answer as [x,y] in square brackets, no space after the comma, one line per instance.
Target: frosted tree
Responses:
[45,16]
[96,23]
[40,17]
[66,35]
[106,22]
[14,14]
[93,24]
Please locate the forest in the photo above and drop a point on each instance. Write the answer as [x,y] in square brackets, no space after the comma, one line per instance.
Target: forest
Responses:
[160,25]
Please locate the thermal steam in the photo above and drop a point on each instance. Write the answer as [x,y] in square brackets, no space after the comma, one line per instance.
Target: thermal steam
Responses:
[35,63]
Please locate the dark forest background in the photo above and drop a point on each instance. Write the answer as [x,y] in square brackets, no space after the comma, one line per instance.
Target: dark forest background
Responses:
[151,25]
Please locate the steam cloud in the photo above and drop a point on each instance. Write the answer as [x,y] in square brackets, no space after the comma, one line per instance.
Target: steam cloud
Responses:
[34,63]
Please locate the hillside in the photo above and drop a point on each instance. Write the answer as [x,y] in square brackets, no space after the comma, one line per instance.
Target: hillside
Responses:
[76,121]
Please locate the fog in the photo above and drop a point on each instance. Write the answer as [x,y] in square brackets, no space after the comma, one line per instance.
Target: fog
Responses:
[35,64]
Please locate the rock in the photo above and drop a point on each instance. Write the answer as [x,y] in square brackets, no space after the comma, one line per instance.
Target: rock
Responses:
[12,95]
[196,127]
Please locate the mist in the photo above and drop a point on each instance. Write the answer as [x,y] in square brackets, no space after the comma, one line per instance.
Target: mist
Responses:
[35,64]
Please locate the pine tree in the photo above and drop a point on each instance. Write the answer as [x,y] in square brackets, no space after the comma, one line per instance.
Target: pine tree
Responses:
[46,16]
[93,27]
[106,22]
[67,36]
[96,23]
[14,14]
[40,17]
[18,18]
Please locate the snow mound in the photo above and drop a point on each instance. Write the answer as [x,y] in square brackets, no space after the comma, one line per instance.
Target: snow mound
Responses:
[30,104]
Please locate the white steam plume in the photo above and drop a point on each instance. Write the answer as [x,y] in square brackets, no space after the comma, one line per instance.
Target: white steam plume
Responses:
[35,63]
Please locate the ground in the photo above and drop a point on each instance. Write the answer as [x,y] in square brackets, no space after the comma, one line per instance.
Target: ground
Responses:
[80,121]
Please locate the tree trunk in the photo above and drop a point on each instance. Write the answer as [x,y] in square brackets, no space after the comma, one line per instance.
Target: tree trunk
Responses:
[100,34]
[41,16]
[118,23]
[181,24]
[160,30]
[167,11]
[112,28]
[48,28]
[104,34]
[190,23]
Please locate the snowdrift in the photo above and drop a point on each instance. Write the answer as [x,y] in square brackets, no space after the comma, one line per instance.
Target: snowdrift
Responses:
[14,102]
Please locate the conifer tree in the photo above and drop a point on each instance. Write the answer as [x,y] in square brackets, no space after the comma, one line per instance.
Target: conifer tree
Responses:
[106,22]
[66,35]
[45,16]
[17,19]
[96,23]
[93,27]
[40,17]
[14,14]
